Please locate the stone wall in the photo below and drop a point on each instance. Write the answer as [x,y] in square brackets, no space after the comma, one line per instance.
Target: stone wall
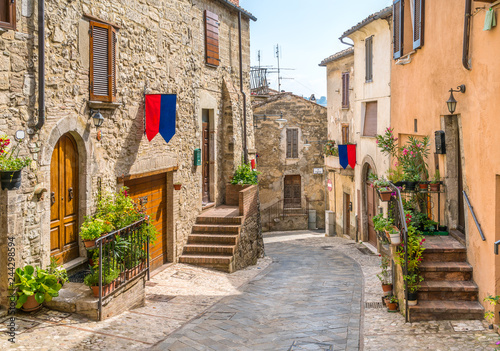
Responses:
[310,120]
[160,49]
[251,244]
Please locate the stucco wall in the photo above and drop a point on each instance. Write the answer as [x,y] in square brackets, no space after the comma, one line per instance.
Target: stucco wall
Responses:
[420,90]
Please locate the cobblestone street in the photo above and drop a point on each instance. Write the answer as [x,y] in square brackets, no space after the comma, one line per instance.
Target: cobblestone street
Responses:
[308,298]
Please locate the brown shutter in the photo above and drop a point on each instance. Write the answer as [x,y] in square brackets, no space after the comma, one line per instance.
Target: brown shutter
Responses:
[288,143]
[295,142]
[345,90]
[345,134]
[398,28]
[99,62]
[8,14]
[369,59]
[112,68]
[370,127]
[212,38]
[418,23]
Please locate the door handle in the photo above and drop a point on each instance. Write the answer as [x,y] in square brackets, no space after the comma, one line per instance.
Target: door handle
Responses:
[52,198]
[70,194]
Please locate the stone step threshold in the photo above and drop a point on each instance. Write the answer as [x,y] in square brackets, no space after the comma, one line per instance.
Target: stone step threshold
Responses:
[78,298]
[446,310]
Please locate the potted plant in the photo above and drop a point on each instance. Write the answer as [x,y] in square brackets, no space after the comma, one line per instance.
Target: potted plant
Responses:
[490,314]
[392,306]
[57,271]
[33,289]
[177,186]
[383,188]
[395,175]
[92,229]
[330,149]
[384,276]
[423,185]
[11,165]
[436,181]
[413,281]
[394,235]
[108,277]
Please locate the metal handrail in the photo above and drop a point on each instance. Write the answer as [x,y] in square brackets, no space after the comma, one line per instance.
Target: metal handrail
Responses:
[277,210]
[474,216]
[404,229]
[110,237]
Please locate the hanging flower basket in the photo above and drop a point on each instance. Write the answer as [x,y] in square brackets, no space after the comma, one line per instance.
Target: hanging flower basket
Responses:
[385,195]
[10,180]
[177,186]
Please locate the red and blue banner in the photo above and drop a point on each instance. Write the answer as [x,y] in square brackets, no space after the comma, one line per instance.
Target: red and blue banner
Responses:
[160,115]
[347,155]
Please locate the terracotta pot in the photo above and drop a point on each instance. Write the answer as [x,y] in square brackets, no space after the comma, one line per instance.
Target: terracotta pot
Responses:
[422,186]
[387,287]
[392,306]
[435,186]
[89,243]
[385,195]
[386,301]
[31,304]
[177,186]
[106,289]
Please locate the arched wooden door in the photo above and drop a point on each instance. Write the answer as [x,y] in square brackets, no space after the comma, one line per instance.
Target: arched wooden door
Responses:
[371,210]
[64,200]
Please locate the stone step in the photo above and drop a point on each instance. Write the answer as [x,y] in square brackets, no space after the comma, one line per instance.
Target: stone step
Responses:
[209,249]
[216,229]
[222,263]
[219,220]
[446,271]
[448,290]
[445,310]
[222,239]
[443,249]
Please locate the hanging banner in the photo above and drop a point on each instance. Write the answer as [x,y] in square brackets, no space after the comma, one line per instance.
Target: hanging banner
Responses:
[160,115]
[351,155]
[343,160]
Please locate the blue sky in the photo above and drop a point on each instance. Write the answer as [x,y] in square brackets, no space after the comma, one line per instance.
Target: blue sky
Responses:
[307,32]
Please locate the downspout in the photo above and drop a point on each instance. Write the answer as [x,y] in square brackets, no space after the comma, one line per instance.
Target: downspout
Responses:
[245,149]
[343,42]
[41,65]
[467,27]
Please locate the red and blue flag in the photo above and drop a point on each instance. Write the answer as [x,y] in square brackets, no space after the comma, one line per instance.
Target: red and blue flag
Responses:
[160,115]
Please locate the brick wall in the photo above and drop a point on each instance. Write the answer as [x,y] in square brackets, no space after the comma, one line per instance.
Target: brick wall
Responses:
[248,201]
[233,194]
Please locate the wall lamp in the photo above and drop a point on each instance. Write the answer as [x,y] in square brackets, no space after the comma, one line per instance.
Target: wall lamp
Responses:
[97,118]
[452,103]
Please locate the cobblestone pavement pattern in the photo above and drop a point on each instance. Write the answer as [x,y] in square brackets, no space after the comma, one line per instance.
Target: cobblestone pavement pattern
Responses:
[299,302]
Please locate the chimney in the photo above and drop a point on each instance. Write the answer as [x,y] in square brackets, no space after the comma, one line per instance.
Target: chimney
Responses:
[236,2]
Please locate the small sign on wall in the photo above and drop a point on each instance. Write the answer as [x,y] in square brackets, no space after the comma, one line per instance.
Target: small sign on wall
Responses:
[197,157]
[318,171]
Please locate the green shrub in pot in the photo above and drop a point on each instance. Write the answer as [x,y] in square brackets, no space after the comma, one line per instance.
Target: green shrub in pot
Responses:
[42,285]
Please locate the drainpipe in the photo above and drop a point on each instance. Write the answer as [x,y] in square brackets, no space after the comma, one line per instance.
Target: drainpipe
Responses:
[343,42]
[467,27]
[41,65]
[245,149]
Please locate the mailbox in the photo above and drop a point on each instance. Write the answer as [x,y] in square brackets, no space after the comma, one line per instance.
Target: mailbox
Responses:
[197,157]
[440,142]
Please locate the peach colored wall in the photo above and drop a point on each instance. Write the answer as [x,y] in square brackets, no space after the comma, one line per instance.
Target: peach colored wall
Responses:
[420,90]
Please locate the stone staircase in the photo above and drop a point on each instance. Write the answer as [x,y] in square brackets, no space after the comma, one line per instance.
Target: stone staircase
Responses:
[448,291]
[214,239]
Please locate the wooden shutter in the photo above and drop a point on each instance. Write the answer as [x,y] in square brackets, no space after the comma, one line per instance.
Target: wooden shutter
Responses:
[212,38]
[292,143]
[345,90]
[345,134]
[8,14]
[398,27]
[369,59]
[370,127]
[418,24]
[102,62]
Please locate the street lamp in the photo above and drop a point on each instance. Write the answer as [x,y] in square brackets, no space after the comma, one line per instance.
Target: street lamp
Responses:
[97,118]
[452,103]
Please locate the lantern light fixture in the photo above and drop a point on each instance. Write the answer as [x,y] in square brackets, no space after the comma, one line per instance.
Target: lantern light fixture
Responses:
[97,118]
[452,103]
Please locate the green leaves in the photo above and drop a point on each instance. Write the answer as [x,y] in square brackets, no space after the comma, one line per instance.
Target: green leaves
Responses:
[244,174]
[40,285]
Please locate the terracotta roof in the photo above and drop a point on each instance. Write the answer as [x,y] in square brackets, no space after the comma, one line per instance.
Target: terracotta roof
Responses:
[382,14]
[238,8]
[337,56]
[279,96]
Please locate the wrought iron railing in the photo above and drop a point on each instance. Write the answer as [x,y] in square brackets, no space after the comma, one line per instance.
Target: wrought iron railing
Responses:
[471,209]
[280,209]
[123,256]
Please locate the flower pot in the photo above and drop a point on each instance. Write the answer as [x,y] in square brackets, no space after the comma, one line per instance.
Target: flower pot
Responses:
[10,180]
[31,304]
[395,238]
[442,228]
[410,185]
[399,183]
[177,186]
[89,243]
[385,195]
[412,299]
[386,301]
[106,289]
[435,186]
[386,287]
[422,186]
[392,306]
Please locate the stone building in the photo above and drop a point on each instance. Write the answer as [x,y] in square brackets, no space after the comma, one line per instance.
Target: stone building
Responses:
[340,78]
[103,57]
[289,134]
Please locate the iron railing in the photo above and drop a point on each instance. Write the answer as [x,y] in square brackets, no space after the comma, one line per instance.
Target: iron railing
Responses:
[281,209]
[474,216]
[125,250]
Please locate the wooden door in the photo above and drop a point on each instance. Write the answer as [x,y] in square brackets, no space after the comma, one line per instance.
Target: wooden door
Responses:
[64,200]
[371,211]
[347,214]
[292,192]
[151,193]
[461,203]
[206,157]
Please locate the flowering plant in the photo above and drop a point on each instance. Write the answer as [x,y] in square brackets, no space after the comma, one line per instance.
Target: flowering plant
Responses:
[415,250]
[8,161]
[330,149]
[413,280]
[384,276]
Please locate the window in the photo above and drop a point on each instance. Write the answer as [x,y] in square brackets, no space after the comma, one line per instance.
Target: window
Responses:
[418,23]
[414,15]
[292,192]
[345,134]
[370,126]
[8,14]
[212,38]
[369,58]
[398,25]
[345,90]
[102,62]
[292,143]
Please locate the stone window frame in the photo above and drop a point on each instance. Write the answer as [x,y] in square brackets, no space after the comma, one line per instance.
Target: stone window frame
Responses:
[11,24]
